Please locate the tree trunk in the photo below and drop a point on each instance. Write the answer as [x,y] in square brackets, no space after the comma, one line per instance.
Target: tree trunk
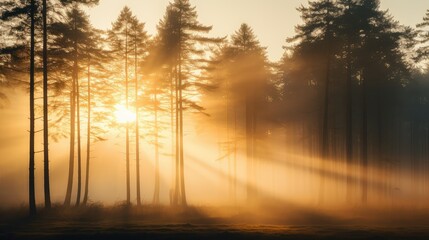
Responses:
[172,108]
[324,147]
[249,151]
[364,168]
[156,191]
[349,137]
[45,110]
[32,195]
[235,155]
[79,146]
[88,137]
[67,200]
[137,127]
[182,165]
[177,186]
[127,136]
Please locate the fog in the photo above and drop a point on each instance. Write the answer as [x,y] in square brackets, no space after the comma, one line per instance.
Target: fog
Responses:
[285,173]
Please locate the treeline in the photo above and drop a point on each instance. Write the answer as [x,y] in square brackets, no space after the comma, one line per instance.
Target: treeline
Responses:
[348,89]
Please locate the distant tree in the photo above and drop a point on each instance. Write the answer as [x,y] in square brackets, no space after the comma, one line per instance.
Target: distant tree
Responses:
[240,73]
[157,83]
[250,57]
[352,46]
[316,37]
[382,71]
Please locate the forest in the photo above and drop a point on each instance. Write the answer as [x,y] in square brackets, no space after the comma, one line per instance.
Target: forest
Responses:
[181,119]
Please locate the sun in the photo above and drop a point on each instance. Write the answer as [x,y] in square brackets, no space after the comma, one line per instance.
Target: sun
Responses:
[123,115]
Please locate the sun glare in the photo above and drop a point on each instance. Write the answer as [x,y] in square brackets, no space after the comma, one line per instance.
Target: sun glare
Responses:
[123,115]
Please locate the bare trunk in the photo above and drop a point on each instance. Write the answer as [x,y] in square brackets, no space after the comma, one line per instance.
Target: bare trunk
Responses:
[324,142]
[127,137]
[79,146]
[364,168]
[45,111]
[67,200]
[32,194]
[172,108]
[235,156]
[249,151]
[156,191]
[228,148]
[137,128]
[177,189]
[88,137]
[349,138]
[182,165]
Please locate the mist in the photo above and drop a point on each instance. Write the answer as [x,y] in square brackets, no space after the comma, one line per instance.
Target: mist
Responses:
[181,131]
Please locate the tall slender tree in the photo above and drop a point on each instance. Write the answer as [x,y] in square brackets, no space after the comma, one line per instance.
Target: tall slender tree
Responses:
[45,109]
[70,39]
[138,43]
[184,36]
[127,33]
[32,193]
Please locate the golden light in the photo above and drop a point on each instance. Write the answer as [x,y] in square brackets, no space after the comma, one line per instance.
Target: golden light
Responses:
[124,115]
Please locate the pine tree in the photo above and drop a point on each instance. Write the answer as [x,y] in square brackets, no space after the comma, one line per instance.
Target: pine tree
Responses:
[128,37]
[181,33]
[96,64]
[16,15]
[69,39]
[32,194]
[423,38]
[317,32]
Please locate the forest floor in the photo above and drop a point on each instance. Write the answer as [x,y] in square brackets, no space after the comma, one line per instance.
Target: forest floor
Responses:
[163,222]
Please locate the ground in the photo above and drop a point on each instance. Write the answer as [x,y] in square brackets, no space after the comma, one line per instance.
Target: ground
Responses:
[148,222]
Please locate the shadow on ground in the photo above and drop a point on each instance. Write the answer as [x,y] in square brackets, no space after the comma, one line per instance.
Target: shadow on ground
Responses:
[271,220]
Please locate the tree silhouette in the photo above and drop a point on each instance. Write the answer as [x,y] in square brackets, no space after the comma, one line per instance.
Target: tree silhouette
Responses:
[182,35]
[138,42]
[127,36]
[317,32]
[423,38]
[68,53]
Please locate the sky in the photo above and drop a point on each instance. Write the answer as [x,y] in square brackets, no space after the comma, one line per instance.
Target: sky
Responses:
[273,21]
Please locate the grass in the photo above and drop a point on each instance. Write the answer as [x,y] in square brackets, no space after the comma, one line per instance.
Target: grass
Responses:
[163,222]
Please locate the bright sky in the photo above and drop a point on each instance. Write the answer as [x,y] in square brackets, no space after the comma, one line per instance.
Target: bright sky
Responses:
[272,20]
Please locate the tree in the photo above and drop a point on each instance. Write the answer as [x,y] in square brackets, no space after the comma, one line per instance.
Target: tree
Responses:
[45,109]
[240,73]
[68,53]
[126,36]
[138,43]
[383,69]
[157,82]
[317,34]
[250,57]
[423,38]
[367,53]
[181,34]
[32,198]
[16,14]
[96,61]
